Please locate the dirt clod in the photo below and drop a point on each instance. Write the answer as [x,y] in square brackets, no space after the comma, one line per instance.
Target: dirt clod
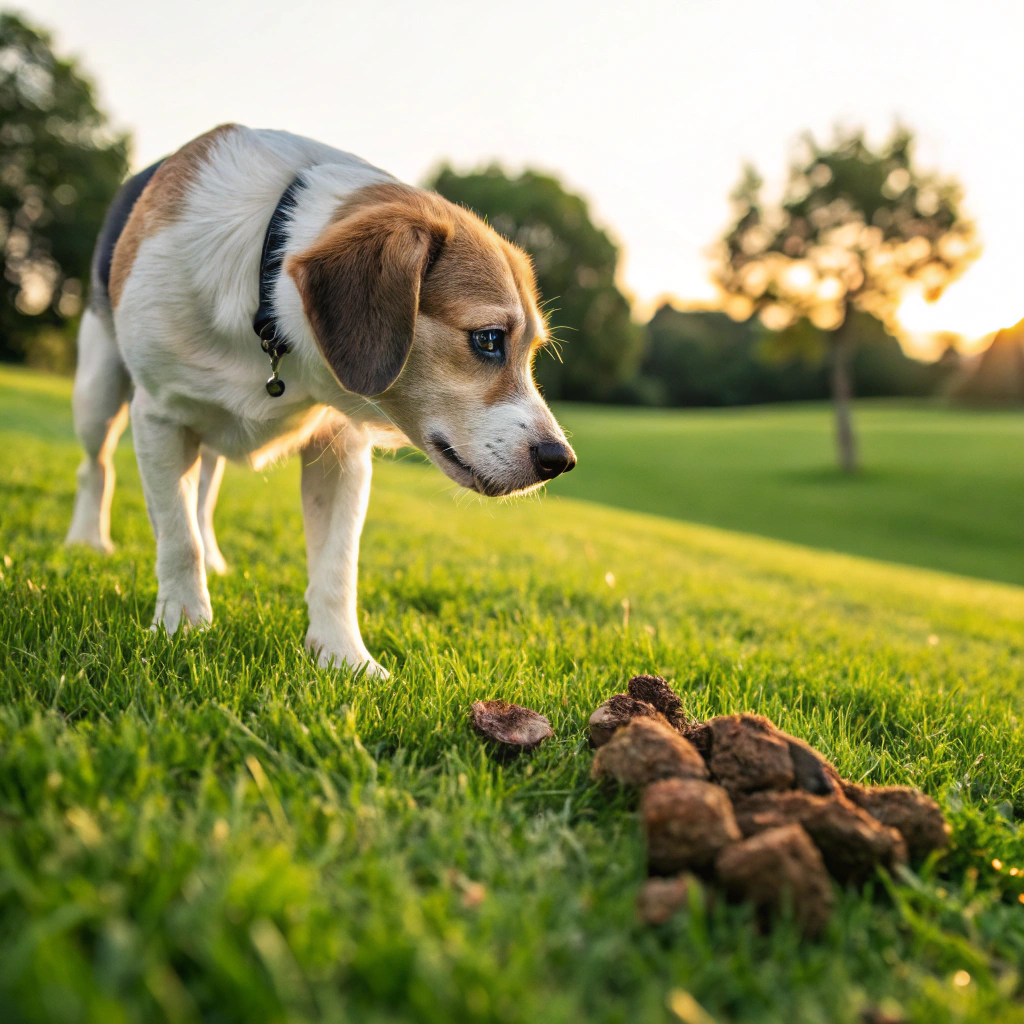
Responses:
[656,691]
[617,712]
[917,817]
[777,867]
[660,898]
[687,822]
[748,754]
[811,772]
[645,751]
[852,843]
[514,727]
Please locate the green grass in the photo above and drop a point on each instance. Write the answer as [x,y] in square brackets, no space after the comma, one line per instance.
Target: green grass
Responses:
[207,827]
[941,488]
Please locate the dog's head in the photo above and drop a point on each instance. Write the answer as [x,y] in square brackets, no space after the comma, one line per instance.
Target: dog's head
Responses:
[418,304]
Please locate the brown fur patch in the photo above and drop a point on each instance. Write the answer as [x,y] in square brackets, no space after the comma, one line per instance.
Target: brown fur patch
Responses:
[160,203]
[394,252]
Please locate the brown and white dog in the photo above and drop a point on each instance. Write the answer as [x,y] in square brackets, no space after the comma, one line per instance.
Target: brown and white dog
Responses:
[407,319]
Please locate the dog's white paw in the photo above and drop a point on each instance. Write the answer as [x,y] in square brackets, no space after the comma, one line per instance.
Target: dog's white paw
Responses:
[356,657]
[173,613]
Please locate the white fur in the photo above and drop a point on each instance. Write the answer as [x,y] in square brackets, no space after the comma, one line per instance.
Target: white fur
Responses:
[182,335]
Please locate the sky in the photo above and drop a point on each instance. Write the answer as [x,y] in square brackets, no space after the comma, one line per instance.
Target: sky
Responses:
[648,109]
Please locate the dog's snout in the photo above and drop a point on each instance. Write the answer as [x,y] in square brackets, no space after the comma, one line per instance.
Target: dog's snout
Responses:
[552,458]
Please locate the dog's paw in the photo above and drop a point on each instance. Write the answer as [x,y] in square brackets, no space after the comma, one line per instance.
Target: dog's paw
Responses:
[173,614]
[328,656]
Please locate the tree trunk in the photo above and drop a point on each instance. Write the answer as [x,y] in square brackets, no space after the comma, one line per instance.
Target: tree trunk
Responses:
[843,347]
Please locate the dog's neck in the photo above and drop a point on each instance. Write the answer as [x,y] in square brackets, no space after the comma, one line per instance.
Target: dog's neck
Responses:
[326,186]
[264,323]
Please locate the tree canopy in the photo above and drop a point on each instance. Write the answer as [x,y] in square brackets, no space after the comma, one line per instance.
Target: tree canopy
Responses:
[575,262]
[59,168]
[856,228]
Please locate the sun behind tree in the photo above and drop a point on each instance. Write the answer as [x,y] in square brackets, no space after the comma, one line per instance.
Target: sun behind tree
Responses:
[855,229]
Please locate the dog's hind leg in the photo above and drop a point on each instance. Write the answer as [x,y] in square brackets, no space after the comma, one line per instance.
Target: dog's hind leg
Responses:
[335,492]
[168,457]
[211,473]
[100,406]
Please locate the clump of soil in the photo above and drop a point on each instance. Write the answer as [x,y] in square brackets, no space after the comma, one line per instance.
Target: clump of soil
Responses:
[512,727]
[660,898]
[687,823]
[616,712]
[779,867]
[917,817]
[748,753]
[851,841]
[645,751]
[656,691]
[738,800]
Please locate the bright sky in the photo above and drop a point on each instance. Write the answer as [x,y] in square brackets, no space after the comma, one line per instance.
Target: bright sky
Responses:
[648,108]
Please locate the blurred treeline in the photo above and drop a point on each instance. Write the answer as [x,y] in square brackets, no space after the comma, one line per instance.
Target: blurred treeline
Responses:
[679,358]
[60,164]
[59,167]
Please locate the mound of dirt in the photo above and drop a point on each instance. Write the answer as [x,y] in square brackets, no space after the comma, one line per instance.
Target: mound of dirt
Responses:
[739,801]
[917,817]
[687,823]
[616,712]
[645,751]
[779,867]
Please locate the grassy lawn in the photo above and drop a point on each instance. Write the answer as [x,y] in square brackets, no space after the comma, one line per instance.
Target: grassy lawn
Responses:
[940,488]
[210,828]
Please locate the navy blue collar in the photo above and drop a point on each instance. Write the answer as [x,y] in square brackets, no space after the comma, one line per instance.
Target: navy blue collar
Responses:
[264,323]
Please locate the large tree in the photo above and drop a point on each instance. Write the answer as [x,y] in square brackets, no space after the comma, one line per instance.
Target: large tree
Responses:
[575,262]
[855,229]
[59,168]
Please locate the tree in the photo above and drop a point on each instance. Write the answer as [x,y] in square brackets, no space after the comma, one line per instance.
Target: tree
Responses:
[855,229]
[575,262]
[59,168]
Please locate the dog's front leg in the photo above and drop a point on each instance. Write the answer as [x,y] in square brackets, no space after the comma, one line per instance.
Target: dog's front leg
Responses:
[335,491]
[168,457]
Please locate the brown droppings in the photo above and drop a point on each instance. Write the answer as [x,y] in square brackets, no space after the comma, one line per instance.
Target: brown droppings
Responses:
[645,751]
[514,727]
[701,736]
[687,823]
[777,867]
[811,772]
[748,753]
[161,203]
[917,817]
[851,842]
[616,712]
[657,692]
[660,898]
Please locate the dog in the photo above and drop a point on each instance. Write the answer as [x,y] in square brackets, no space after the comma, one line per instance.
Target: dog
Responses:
[387,316]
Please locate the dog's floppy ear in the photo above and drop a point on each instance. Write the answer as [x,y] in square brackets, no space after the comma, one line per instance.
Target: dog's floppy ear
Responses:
[360,286]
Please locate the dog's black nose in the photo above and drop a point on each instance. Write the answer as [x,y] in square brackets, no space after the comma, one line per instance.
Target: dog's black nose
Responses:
[552,458]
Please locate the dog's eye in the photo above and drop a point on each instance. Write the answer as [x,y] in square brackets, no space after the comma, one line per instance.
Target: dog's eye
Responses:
[488,342]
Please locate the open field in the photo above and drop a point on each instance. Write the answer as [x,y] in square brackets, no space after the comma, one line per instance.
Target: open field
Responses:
[208,827]
[941,488]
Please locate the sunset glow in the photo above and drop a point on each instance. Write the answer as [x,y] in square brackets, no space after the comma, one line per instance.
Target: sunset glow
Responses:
[648,111]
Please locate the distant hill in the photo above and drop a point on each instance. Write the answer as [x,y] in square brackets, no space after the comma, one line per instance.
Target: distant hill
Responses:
[997,375]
